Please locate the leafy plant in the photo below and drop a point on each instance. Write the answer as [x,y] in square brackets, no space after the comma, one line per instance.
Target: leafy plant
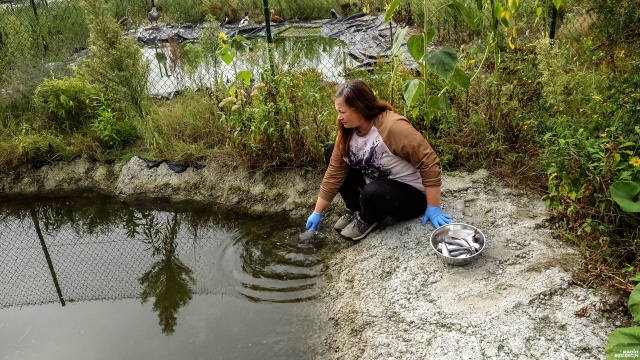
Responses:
[625,194]
[116,61]
[68,101]
[442,61]
[113,133]
[34,146]
[625,342]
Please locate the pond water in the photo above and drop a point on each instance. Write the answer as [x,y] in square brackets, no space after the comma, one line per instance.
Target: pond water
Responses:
[95,277]
[168,73]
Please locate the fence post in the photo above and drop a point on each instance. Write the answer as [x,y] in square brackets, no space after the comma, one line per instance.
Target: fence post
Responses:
[552,25]
[267,20]
[37,28]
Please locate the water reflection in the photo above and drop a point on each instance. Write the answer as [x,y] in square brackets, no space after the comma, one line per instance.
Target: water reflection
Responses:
[169,281]
[97,248]
[54,277]
[221,284]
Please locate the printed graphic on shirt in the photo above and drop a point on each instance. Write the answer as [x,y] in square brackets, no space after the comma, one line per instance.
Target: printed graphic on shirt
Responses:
[371,155]
[367,157]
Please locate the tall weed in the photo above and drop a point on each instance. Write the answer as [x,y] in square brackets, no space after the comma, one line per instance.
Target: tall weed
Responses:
[116,62]
[68,101]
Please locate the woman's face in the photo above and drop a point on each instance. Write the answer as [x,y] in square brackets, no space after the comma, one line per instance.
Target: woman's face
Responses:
[349,117]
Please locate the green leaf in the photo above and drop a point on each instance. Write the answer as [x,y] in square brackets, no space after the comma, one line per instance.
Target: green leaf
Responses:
[460,78]
[557,3]
[398,39]
[616,159]
[505,22]
[433,102]
[415,45]
[513,5]
[473,22]
[411,90]
[538,11]
[436,103]
[625,194]
[635,278]
[430,33]
[443,62]
[634,303]
[227,58]
[428,115]
[240,38]
[233,92]
[245,76]
[623,343]
[497,10]
[392,8]
[415,111]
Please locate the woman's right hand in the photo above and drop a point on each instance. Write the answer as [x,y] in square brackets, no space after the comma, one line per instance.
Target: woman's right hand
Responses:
[314,221]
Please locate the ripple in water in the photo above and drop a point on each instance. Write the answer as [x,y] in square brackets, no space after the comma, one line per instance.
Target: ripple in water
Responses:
[281,269]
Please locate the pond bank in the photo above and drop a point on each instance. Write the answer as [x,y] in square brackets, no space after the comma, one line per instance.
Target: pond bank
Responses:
[256,191]
[388,296]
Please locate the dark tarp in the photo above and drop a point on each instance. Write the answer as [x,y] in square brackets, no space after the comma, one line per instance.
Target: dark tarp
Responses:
[156,34]
[367,38]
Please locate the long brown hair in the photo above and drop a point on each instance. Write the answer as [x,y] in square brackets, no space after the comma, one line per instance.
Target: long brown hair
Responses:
[359,96]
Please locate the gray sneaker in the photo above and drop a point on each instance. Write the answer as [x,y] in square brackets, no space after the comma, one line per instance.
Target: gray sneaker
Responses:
[357,229]
[345,220]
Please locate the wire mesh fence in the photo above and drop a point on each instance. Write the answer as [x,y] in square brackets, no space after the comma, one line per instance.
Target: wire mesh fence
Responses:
[38,37]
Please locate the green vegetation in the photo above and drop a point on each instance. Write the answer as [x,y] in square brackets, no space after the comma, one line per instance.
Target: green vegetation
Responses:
[625,341]
[559,117]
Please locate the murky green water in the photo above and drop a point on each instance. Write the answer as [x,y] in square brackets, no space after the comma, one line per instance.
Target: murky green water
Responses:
[95,278]
[168,72]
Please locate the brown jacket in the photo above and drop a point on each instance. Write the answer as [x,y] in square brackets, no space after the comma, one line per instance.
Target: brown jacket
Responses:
[393,149]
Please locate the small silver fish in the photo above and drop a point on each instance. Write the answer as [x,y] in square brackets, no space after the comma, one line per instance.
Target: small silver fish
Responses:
[459,243]
[458,253]
[307,235]
[445,251]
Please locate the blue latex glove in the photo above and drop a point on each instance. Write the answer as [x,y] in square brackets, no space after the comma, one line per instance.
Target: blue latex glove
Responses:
[436,216]
[314,221]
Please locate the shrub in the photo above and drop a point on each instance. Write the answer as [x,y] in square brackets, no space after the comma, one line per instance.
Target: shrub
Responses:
[114,133]
[68,101]
[116,62]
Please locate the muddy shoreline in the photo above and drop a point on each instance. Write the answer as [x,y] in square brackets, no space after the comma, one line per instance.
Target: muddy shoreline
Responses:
[388,296]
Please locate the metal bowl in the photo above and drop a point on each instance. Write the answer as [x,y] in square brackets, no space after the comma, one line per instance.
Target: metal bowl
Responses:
[439,235]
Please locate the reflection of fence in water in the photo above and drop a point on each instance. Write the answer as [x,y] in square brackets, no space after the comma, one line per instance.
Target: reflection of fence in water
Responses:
[166,254]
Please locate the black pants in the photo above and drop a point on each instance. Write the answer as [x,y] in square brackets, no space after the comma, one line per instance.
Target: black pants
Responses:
[379,198]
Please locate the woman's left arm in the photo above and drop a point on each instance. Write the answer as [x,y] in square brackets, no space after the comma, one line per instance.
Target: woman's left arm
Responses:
[405,141]
[433,195]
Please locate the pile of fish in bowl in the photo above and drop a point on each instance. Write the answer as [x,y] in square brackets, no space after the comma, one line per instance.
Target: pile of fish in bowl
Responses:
[457,243]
